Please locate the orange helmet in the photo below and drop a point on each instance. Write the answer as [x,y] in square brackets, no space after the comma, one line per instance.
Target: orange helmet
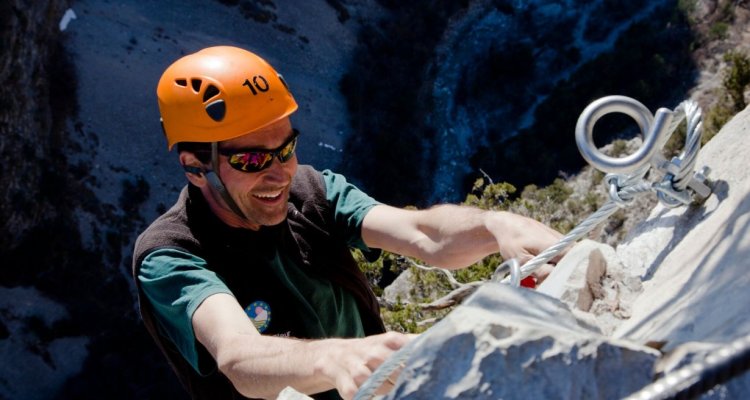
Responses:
[220,93]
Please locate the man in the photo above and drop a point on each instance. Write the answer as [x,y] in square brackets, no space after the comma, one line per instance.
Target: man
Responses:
[254,256]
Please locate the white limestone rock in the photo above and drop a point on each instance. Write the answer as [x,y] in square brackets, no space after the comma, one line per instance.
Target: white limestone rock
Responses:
[512,343]
[693,260]
[594,284]
[400,290]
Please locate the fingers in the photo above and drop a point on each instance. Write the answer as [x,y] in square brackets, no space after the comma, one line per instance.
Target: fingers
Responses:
[383,346]
[347,388]
[349,383]
[523,238]
[394,340]
[356,359]
[390,382]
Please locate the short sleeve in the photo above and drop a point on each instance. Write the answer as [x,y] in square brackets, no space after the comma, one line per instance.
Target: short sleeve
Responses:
[175,284]
[350,207]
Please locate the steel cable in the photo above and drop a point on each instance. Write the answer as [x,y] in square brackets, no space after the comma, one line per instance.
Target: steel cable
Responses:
[688,382]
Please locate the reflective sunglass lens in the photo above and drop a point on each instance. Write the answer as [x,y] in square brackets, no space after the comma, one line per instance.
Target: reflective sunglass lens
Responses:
[288,151]
[254,161]
[250,162]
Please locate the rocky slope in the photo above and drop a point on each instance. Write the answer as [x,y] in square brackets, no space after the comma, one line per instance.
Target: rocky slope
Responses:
[35,88]
[672,294]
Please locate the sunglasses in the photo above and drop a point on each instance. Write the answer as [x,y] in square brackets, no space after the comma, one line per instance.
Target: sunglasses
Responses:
[254,160]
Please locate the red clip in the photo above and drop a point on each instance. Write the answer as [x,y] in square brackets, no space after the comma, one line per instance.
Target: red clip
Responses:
[529,282]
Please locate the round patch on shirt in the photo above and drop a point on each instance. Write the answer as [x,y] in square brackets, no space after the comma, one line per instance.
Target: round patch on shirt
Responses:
[260,313]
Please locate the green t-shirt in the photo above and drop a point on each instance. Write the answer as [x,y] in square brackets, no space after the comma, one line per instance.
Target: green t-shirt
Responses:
[176,282]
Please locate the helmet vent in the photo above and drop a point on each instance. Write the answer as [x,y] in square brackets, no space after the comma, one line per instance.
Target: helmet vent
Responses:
[196,84]
[216,110]
[211,91]
[181,82]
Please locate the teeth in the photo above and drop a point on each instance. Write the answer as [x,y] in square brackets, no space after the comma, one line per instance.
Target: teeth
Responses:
[268,195]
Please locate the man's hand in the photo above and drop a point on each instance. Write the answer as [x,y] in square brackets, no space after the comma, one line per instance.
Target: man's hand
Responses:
[348,363]
[523,238]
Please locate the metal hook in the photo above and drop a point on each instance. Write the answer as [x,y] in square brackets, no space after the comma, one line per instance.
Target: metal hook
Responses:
[508,266]
[656,130]
[653,128]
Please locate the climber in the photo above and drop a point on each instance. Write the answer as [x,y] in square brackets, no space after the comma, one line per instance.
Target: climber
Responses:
[255,253]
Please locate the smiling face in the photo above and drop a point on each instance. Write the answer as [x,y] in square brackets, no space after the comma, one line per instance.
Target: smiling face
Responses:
[262,196]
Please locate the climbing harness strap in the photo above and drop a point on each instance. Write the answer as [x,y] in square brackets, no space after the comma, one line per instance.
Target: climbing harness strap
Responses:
[217,184]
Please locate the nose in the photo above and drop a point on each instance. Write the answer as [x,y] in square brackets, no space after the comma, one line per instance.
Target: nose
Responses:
[278,171]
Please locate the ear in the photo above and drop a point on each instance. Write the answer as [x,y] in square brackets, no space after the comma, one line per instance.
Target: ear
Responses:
[194,169]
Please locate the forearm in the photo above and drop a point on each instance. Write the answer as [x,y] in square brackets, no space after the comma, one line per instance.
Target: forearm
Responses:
[258,366]
[446,236]
[451,236]
[262,366]
[455,236]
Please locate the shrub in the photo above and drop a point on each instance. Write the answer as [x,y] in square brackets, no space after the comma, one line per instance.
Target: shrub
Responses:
[730,96]
[718,31]
[737,78]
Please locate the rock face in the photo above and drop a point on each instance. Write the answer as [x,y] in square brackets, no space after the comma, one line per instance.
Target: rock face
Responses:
[40,346]
[30,117]
[490,85]
[595,285]
[693,261]
[678,283]
[478,86]
[32,355]
[528,345]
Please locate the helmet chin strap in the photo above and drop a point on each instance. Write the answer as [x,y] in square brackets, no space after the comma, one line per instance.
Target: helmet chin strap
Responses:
[217,184]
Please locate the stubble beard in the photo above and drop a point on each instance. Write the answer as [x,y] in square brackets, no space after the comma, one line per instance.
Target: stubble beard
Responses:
[265,215]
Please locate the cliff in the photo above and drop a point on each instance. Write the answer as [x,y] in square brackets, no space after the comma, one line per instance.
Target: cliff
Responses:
[35,98]
[673,293]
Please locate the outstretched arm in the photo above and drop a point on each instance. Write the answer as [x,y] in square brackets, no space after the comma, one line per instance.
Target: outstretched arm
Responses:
[451,236]
[261,366]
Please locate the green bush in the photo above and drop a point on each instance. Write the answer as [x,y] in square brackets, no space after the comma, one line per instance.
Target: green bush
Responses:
[737,78]
[687,7]
[490,197]
[718,31]
[730,96]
